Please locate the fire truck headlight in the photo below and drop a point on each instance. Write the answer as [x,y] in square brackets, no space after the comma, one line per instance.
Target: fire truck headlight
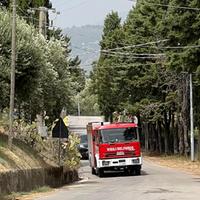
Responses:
[136,161]
[105,163]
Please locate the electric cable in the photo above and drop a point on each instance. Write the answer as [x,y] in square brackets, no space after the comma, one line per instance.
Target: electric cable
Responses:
[171,6]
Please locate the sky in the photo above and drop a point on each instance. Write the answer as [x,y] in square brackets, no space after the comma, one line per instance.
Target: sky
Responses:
[84,12]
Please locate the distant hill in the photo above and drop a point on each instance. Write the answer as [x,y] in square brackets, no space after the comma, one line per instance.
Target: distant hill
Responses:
[85,43]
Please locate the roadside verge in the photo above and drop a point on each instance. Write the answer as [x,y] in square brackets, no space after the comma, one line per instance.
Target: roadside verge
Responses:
[175,162]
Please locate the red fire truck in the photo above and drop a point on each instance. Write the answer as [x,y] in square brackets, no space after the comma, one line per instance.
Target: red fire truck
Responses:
[114,146]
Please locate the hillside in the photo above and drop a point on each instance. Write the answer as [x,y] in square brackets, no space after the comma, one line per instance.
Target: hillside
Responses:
[21,156]
[85,43]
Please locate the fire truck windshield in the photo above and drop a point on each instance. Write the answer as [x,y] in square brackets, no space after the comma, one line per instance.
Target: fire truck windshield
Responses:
[118,135]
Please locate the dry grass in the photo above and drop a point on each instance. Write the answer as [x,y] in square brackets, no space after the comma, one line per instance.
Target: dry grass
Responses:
[21,157]
[28,195]
[176,162]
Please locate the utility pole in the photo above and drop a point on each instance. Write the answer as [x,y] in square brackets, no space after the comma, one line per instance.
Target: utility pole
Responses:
[191,120]
[43,13]
[12,80]
[43,20]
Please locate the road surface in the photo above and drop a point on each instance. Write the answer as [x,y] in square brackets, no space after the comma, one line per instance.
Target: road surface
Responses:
[155,183]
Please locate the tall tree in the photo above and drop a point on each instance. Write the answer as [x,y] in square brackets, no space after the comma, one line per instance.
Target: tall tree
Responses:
[150,77]
[104,76]
[44,79]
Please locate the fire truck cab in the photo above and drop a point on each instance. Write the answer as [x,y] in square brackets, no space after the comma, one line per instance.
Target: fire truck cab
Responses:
[114,146]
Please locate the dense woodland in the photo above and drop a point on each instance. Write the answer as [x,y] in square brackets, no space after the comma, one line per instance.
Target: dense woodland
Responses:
[47,77]
[144,69]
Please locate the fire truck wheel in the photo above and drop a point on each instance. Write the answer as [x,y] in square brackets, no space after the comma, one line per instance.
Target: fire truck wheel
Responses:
[137,171]
[100,172]
[127,171]
[93,171]
[131,171]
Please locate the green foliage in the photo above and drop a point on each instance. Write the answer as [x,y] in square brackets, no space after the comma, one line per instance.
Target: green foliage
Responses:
[48,147]
[46,78]
[104,73]
[112,22]
[72,155]
[24,5]
[144,82]
[4,121]
[184,31]
[29,56]
[88,101]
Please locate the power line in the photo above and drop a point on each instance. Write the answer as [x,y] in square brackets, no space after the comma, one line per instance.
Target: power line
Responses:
[133,57]
[118,48]
[63,2]
[171,6]
[145,44]
[76,6]
[23,11]
[136,45]
[135,54]
[126,66]
[130,55]
[181,47]
[111,51]
[119,66]
[86,49]
[147,55]
[35,19]
[178,7]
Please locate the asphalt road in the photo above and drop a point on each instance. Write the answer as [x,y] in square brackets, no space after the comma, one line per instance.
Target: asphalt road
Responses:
[155,183]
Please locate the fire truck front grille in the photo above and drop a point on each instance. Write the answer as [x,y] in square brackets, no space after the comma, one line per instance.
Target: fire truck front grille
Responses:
[115,154]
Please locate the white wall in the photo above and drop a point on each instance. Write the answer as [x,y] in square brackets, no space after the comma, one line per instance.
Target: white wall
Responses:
[77,124]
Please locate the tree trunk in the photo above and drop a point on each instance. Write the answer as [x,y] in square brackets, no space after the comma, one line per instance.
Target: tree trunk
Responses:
[181,136]
[106,115]
[19,110]
[167,121]
[146,137]
[166,141]
[111,117]
[155,137]
[151,137]
[199,143]
[185,114]
[159,128]
[175,137]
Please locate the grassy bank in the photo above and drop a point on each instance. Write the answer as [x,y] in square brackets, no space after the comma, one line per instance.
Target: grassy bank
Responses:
[176,162]
[21,156]
[27,195]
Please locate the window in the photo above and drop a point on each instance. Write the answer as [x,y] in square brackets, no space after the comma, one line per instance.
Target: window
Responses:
[83,139]
[118,135]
